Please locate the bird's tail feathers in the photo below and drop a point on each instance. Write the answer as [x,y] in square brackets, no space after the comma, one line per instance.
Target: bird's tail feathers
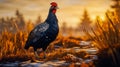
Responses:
[27,45]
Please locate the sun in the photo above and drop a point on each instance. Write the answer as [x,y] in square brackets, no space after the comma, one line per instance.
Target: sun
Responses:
[93,17]
[100,17]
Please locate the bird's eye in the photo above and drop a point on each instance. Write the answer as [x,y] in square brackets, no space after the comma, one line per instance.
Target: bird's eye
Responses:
[53,7]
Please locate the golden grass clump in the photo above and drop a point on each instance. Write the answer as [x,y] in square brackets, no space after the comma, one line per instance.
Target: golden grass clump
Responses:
[66,55]
[66,42]
[107,40]
[12,46]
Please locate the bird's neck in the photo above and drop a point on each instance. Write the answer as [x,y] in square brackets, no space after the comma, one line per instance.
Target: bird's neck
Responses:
[51,17]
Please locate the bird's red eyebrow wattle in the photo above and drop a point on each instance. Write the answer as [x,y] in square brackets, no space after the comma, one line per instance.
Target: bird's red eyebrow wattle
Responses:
[54,11]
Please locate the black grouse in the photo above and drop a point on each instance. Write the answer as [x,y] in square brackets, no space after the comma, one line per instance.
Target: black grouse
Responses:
[43,34]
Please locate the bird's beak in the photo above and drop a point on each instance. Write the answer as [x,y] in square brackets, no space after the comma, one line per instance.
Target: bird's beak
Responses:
[56,7]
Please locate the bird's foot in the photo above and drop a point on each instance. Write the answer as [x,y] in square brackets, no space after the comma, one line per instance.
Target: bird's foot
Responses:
[37,57]
[44,57]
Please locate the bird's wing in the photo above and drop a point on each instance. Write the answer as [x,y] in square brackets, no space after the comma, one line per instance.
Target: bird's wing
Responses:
[38,32]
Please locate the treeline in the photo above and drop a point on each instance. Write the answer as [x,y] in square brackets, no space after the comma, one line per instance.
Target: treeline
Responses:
[13,24]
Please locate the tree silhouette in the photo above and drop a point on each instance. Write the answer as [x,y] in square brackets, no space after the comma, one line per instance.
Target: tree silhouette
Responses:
[20,20]
[38,21]
[85,22]
[64,28]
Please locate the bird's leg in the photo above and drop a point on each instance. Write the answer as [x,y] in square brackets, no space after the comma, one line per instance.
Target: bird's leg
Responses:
[44,54]
[36,55]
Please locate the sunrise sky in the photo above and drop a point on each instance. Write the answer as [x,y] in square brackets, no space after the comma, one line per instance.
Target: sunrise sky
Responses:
[69,11]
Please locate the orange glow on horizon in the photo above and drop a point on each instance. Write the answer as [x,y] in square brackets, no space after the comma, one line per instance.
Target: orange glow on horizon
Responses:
[69,11]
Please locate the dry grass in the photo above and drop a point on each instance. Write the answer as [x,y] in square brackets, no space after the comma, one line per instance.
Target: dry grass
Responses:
[63,54]
[67,42]
[12,47]
[107,40]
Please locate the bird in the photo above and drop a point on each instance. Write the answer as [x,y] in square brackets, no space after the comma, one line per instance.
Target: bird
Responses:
[44,33]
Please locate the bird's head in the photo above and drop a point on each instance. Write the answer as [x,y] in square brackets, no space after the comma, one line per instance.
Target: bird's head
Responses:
[54,7]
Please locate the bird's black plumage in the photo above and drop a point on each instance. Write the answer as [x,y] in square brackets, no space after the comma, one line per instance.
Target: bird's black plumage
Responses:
[43,34]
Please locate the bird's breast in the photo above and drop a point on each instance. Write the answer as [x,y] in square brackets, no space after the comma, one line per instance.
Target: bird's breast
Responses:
[54,29]
[52,32]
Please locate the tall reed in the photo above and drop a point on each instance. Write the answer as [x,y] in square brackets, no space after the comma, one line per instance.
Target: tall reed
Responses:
[107,40]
